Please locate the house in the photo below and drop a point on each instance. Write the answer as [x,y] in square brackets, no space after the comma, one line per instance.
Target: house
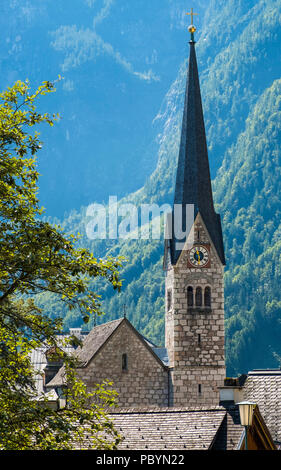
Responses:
[262,386]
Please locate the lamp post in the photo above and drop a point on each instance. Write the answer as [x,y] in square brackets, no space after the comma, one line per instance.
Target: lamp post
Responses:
[246,410]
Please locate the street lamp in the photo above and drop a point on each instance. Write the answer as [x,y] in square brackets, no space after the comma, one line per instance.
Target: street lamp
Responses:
[246,410]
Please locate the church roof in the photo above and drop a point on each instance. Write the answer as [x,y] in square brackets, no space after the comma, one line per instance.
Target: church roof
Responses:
[173,429]
[91,345]
[97,338]
[193,428]
[163,429]
[193,182]
[100,334]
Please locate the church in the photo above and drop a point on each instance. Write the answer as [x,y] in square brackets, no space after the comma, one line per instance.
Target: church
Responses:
[180,390]
[192,366]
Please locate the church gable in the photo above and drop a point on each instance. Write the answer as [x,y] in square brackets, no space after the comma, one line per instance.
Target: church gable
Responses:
[127,360]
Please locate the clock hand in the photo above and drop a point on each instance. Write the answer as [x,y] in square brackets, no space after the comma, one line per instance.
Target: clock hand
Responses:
[197,252]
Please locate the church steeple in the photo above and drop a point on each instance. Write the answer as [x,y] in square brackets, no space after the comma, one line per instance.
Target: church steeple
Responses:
[193,182]
[194,285]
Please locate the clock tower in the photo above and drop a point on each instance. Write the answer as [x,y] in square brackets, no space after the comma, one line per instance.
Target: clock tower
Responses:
[194,265]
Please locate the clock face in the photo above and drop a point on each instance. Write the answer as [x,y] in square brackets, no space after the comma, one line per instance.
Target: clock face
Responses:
[199,256]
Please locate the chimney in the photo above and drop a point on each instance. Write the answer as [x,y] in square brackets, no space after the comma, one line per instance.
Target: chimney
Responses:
[232,391]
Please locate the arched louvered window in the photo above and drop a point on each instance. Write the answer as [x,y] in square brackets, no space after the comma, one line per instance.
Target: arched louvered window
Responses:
[198,297]
[190,296]
[207,296]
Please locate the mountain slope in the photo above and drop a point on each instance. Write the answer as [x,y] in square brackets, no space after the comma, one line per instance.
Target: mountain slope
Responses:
[249,184]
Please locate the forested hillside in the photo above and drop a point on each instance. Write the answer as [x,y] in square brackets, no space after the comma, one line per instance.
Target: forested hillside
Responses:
[248,193]
[240,74]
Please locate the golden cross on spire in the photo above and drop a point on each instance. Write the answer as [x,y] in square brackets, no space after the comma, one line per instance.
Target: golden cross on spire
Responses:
[191,15]
[191,27]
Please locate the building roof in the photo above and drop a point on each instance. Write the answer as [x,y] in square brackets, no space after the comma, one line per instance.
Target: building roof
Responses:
[230,432]
[185,429]
[39,362]
[171,429]
[193,182]
[263,387]
[97,338]
[174,429]
[91,345]
[204,428]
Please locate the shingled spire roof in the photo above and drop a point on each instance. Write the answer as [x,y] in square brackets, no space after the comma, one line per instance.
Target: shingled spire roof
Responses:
[193,182]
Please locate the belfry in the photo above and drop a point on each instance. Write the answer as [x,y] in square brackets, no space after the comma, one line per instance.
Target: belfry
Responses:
[194,265]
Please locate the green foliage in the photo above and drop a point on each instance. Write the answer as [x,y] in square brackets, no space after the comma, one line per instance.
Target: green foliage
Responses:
[25,422]
[37,257]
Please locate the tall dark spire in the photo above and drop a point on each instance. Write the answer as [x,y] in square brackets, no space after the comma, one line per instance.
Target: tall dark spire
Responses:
[193,182]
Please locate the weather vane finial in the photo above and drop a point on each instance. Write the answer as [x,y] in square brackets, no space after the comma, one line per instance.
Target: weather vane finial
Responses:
[192,28]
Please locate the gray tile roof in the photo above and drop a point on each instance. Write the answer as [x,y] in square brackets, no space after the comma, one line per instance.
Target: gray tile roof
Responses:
[169,428]
[91,345]
[182,429]
[264,388]
[96,339]
[230,431]
[39,360]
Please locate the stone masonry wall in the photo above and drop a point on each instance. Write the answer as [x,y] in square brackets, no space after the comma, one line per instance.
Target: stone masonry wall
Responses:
[145,383]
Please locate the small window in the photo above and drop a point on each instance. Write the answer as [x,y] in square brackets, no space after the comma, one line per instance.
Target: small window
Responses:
[169,300]
[190,296]
[199,339]
[198,297]
[124,362]
[207,297]
[199,389]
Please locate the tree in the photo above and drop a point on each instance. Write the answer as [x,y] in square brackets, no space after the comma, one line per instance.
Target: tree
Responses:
[35,257]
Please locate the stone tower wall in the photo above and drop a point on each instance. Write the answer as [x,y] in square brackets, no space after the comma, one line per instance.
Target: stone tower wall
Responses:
[195,336]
